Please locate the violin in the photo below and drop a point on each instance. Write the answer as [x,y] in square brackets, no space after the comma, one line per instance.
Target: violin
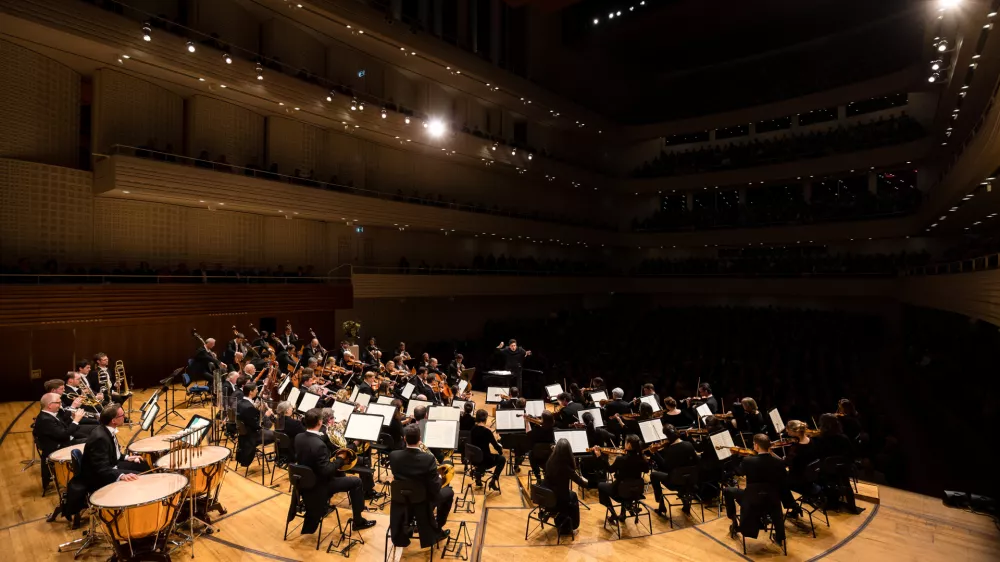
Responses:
[741,452]
[812,432]
[784,443]
[533,419]
[609,450]
[656,447]
[694,431]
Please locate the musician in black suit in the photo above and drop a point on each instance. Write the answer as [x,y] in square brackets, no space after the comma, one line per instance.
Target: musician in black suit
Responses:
[204,363]
[629,466]
[513,359]
[89,378]
[288,338]
[415,465]
[766,482]
[704,397]
[104,461]
[616,406]
[312,451]
[236,345]
[420,385]
[568,410]
[311,350]
[510,402]
[248,413]
[677,454]
[647,390]
[455,369]
[367,385]
[51,433]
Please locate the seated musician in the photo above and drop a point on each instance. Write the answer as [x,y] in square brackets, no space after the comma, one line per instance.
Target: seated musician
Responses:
[51,433]
[482,437]
[631,465]
[566,411]
[286,420]
[850,421]
[456,396]
[560,470]
[647,390]
[367,386]
[230,392]
[413,464]
[58,387]
[510,402]
[576,393]
[710,467]
[247,412]
[455,369]
[677,454]
[433,368]
[75,386]
[766,481]
[540,435]
[616,406]
[104,461]
[312,451]
[395,427]
[831,442]
[596,385]
[466,421]
[798,457]
[673,415]
[593,467]
[204,363]
[420,384]
[750,419]
[704,397]
[283,358]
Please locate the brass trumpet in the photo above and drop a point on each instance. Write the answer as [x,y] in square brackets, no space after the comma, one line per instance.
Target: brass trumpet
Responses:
[85,400]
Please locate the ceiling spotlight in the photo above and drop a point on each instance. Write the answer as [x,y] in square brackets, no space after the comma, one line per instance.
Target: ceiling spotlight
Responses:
[936,65]
[147,32]
[611,16]
[406,120]
[530,156]
[260,71]
[190,46]
[942,45]
[384,114]
[436,128]
[361,106]
[354,104]
[596,21]
[227,58]
[936,77]
[330,96]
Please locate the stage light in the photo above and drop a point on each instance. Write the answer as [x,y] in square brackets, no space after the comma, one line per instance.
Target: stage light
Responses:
[147,32]
[384,114]
[227,58]
[436,128]
[596,21]
[530,157]
[260,71]
[190,46]
[942,45]
[361,106]
[330,96]
[936,65]
[934,78]
[354,105]
[948,4]
[406,120]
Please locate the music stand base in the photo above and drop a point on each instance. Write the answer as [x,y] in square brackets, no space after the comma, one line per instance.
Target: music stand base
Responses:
[348,536]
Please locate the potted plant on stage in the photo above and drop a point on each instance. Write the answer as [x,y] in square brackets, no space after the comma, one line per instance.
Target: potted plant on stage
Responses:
[351,331]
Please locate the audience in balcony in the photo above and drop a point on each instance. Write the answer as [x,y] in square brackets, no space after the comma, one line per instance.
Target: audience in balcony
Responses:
[51,272]
[795,146]
[793,261]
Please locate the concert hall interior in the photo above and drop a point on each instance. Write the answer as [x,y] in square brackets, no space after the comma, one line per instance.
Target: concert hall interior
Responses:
[499,279]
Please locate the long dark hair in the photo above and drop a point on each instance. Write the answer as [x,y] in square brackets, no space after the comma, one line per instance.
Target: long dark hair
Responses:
[562,456]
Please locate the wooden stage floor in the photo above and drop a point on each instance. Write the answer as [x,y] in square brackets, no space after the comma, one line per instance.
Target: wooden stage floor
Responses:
[901,526]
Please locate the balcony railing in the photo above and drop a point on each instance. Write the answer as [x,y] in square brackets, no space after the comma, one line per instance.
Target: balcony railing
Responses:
[981,263]
[259,173]
[163,279]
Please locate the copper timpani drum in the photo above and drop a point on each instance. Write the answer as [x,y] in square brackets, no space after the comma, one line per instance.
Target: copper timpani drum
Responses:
[61,463]
[138,516]
[205,467]
[151,448]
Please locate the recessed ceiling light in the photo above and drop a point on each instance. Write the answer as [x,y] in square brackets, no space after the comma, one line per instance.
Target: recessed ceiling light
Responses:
[123,191]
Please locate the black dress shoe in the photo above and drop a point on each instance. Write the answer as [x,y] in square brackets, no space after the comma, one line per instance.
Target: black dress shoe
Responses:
[686,508]
[732,530]
[494,485]
[661,511]
[443,535]
[363,524]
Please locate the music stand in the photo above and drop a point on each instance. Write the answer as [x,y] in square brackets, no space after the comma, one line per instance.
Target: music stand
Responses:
[363,427]
[440,434]
[651,431]
[165,386]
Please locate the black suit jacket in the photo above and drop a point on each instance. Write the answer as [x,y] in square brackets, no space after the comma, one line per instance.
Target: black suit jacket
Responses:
[568,415]
[66,400]
[52,433]
[311,450]
[293,427]
[420,467]
[363,388]
[249,415]
[203,363]
[765,475]
[100,459]
[677,455]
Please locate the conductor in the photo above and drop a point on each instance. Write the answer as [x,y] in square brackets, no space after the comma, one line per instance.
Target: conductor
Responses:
[513,359]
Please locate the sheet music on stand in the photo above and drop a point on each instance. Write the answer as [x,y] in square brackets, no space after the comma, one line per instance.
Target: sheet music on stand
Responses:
[462,385]
[363,427]
[384,410]
[440,434]
[510,420]
[596,412]
[493,394]
[308,402]
[284,385]
[779,425]
[598,395]
[200,425]
[363,399]
[407,390]
[384,400]
[534,408]
[342,411]
[412,405]
[354,393]
[460,405]
[294,395]
[652,431]
[651,400]
[553,390]
[722,441]
[577,439]
[703,411]
[149,415]
[443,413]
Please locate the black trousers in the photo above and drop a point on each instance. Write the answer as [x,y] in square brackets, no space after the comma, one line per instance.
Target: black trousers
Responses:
[732,494]
[496,462]
[568,513]
[657,479]
[444,506]
[606,492]
[355,494]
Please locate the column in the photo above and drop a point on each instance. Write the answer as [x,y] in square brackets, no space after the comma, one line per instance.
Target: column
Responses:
[690,200]
[752,130]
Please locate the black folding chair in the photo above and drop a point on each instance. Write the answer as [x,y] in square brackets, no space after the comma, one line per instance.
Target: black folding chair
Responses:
[684,482]
[545,504]
[630,499]
[283,453]
[302,479]
[405,495]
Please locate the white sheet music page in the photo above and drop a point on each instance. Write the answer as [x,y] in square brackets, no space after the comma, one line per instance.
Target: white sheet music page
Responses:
[384,410]
[443,413]
[652,431]
[364,427]
[407,391]
[722,441]
[596,412]
[412,405]
[510,420]
[779,425]
[553,390]
[293,396]
[440,434]
[577,439]
[599,395]
[493,393]
[534,408]
[364,399]
[462,385]
[342,411]
[284,385]
[460,405]
[703,410]
[385,400]
[651,400]
[308,402]
[354,393]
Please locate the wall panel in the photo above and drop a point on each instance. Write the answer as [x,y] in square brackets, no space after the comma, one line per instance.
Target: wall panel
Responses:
[224,129]
[293,145]
[133,112]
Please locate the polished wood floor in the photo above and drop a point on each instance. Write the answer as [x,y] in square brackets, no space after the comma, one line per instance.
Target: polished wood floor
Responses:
[900,526]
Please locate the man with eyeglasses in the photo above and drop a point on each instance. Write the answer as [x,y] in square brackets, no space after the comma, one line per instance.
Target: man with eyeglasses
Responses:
[104,461]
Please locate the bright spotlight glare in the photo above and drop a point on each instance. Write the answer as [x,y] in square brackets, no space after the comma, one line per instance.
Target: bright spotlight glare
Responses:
[596,21]
[190,46]
[948,4]
[436,128]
